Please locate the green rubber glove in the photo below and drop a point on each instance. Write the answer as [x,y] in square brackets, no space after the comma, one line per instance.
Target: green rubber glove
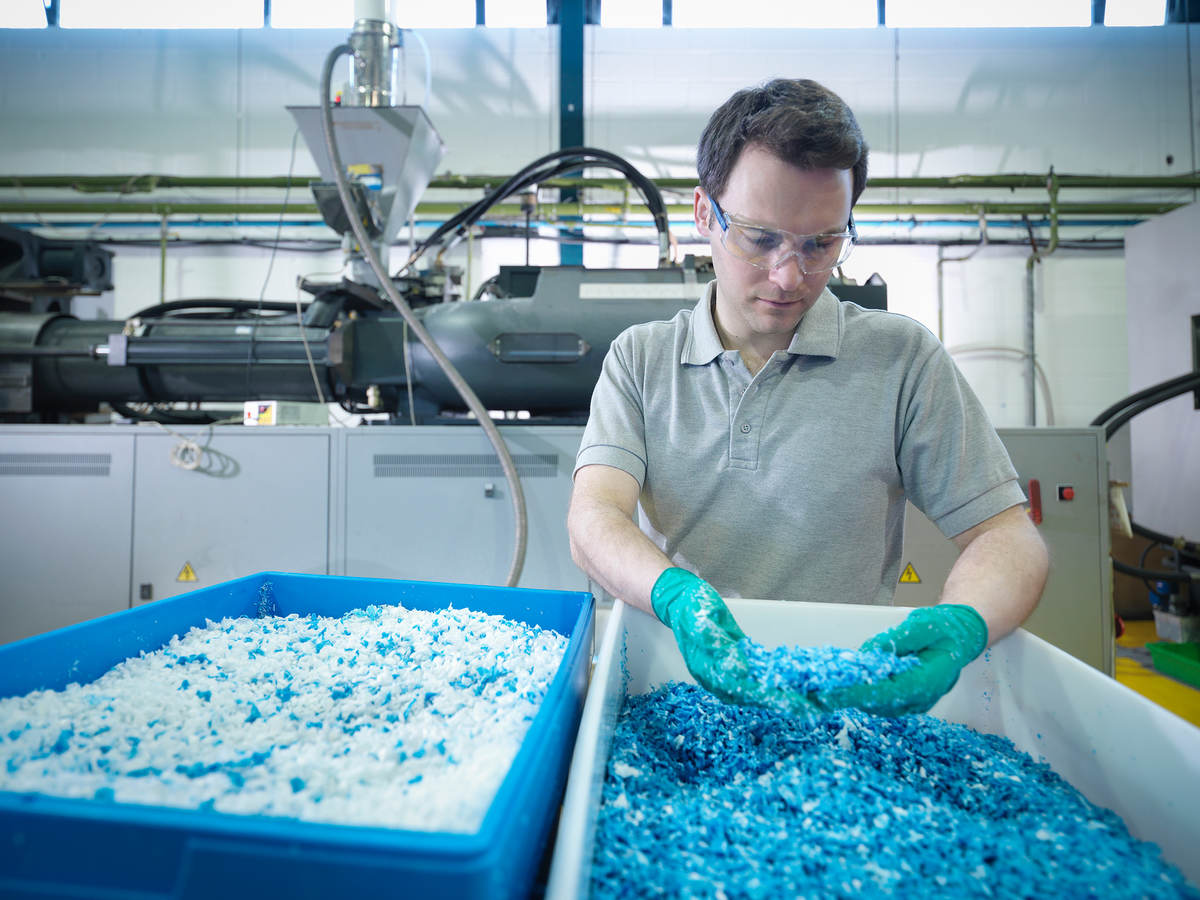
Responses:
[944,638]
[709,639]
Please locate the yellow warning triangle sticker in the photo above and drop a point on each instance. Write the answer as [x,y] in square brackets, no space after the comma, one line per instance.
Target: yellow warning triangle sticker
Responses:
[909,575]
[187,573]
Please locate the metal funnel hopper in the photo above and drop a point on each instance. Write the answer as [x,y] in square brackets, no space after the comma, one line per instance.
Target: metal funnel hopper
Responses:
[391,150]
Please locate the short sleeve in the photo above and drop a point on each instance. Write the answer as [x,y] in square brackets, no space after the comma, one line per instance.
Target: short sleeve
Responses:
[616,430]
[953,465]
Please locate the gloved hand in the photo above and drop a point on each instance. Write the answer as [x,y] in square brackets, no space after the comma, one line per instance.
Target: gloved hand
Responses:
[944,638]
[709,639]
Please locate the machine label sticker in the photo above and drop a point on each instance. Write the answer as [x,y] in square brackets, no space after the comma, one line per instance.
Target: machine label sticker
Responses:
[187,573]
[909,575]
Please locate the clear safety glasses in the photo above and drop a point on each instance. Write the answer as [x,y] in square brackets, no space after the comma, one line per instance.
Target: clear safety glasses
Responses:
[770,248]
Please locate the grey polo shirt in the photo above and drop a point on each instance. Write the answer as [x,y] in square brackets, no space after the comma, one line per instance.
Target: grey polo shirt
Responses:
[791,484]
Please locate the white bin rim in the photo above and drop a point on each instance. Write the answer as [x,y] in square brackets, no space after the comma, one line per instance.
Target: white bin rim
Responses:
[1119,749]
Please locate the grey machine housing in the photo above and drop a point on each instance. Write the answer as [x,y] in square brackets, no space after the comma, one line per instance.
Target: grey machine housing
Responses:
[537,347]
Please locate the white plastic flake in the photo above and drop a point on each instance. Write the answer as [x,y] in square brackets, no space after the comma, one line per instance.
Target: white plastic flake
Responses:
[385,716]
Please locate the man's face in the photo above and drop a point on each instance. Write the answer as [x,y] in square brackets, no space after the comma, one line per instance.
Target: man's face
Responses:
[759,307]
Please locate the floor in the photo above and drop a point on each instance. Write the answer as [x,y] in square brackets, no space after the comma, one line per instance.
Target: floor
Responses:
[1135,670]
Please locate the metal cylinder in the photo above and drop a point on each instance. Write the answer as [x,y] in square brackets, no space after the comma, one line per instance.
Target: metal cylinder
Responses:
[373,65]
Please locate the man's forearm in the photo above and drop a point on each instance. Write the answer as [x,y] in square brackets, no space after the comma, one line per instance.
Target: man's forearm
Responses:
[609,546]
[1001,572]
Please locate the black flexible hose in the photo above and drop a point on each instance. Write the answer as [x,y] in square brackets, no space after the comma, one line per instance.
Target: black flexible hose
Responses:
[1189,547]
[465,218]
[160,310]
[1113,419]
[1167,391]
[1145,574]
[1140,395]
[165,417]
[548,166]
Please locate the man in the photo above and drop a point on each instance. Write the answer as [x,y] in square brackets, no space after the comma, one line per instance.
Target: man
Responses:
[767,438]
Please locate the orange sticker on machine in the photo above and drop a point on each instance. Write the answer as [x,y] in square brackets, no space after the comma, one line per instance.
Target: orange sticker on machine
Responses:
[909,575]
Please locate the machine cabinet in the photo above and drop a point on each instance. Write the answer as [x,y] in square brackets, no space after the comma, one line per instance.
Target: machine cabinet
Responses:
[67,501]
[256,500]
[432,503]
[1070,469]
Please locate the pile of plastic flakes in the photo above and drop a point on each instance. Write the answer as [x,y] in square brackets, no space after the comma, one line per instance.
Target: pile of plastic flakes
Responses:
[706,799]
[813,669]
[386,716]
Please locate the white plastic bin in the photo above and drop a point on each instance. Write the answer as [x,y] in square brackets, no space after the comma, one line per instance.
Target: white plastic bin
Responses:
[1119,749]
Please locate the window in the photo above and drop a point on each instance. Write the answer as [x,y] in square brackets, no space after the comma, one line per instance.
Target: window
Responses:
[158,14]
[340,13]
[1008,14]
[22,14]
[631,13]
[772,14]
[515,13]
[311,14]
[442,14]
[1135,12]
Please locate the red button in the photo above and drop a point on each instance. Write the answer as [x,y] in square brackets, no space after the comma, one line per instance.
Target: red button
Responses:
[1066,493]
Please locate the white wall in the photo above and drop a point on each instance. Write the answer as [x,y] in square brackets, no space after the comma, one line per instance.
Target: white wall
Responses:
[1164,289]
[1085,101]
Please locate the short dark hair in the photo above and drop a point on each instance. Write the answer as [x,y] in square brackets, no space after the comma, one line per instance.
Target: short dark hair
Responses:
[797,120]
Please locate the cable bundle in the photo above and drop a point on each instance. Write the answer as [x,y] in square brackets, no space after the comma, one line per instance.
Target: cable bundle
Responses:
[547,167]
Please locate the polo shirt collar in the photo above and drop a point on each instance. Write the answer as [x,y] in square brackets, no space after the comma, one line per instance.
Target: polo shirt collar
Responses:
[820,331]
[818,334]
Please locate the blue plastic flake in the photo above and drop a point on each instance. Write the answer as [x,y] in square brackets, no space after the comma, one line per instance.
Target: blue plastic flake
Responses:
[297,785]
[104,794]
[255,715]
[204,695]
[813,669]
[706,799]
[63,742]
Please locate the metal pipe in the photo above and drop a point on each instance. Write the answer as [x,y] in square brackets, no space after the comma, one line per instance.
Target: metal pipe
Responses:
[1035,257]
[1029,332]
[942,259]
[126,184]
[552,211]
[162,262]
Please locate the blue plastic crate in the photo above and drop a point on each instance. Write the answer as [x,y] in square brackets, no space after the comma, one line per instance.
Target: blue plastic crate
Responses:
[53,846]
